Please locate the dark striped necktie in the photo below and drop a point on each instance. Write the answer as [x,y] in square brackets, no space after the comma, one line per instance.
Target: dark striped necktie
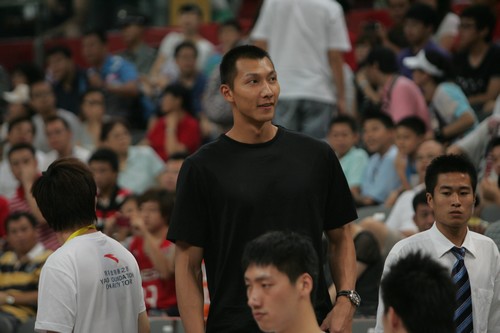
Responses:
[463,313]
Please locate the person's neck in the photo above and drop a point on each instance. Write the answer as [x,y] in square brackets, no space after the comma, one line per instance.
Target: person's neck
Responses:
[48,113]
[160,234]
[68,79]
[252,133]
[384,149]
[192,36]
[64,235]
[478,51]
[419,45]
[133,46]
[67,152]
[304,321]
[107,192]
[428,90]
[456,235]
[385,78]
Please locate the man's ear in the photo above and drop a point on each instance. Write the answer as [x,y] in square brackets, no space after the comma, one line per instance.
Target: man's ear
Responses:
[393,321]
[305,284]
[226,93]
[430,200]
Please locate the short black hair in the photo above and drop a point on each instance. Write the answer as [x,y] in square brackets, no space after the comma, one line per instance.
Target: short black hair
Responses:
[228,65]
[423,13]
[345,119]
[446,164]
[106,155]
[31,71]
[384,57]
[382,117]
[234,23]
[65,194]
[443,63]
[422,294]
[495,142]
[164,198]
[291,253]
[99,33]
[183,45]
[19,120]
[190,8]
[16,215]
[92,90]
[108,126]
[419,199]
[483,18]
[55,118]
[180,91]
[59,49]
[413,123]
[21,146]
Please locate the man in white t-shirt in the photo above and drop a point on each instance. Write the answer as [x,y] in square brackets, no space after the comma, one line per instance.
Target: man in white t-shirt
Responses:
[91,283]
[306,40]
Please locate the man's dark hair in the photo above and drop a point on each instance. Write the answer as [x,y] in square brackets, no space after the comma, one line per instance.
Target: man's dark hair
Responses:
[385,58]
[228,65]
[483,18]
[17,215]
[413,123]
[92,90]
[421,292]
[21,146]
[190,8]
[19,120]
[234,23]
[384,118]
[39,81]
[55,118]
[59,49]
[291,253]
[419,199]
[443,63]
[179,91]
[185,45]
[422,13]
[446,164]
[164,198]
[65,194]
[30,70]
[495,142]
[106,155]
[108,126]
[99,33]
[345,119]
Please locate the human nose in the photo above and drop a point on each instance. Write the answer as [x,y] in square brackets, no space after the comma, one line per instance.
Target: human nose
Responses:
[253,298]
[455,200]
[266,90]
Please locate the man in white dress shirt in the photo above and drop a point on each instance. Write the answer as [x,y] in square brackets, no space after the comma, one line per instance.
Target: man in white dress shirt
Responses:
[450,184]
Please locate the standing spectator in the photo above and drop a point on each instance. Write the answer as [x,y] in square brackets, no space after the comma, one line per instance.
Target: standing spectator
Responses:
[69,82]
[112,74]
[477,65]
[60,138]
[310,66]
[86,277]
[19,271]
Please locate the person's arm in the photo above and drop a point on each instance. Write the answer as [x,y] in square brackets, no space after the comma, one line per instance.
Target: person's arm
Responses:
[143,323]
[127,89]
[336,61]
[491,92]
[29,174]
[342,257]
[22,298]
[172,143]
[459,126]
[189,287]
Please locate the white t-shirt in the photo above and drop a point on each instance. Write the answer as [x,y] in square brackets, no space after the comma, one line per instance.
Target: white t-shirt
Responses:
[90,284]
[299,34]
[401,216]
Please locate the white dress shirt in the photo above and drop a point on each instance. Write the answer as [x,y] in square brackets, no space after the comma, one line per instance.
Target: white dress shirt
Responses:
[482,261]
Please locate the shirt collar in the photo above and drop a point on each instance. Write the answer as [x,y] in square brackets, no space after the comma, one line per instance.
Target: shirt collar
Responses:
[443,245]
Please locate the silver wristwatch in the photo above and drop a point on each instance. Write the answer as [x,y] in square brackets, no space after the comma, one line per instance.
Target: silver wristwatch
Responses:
[352,295]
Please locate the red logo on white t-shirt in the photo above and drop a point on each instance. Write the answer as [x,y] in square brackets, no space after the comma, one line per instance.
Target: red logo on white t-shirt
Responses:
[112,257]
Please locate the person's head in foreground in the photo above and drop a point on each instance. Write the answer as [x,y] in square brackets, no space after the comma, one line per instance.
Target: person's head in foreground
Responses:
[281,269]
[418,296]
[66,194]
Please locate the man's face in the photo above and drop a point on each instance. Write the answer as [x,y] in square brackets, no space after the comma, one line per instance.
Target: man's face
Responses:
[376,136]
[424,217]
[452,200]
[21,235]
[151,215]
[398,9]
[186,60]
[168,179]
[58,136]
[426,152]
[93,50]
[131,33]
[59,66]
[229,36]
[104,176]
[189,23]
[42,98]
[255,91]
[416,32]
[468,33]
[272,298]
[20,159]
[21,133]
[341,138]
[118,139]
[93,106]
[407,140]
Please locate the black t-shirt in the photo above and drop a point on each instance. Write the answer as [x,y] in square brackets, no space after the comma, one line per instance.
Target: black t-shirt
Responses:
[475,80]
[228,193]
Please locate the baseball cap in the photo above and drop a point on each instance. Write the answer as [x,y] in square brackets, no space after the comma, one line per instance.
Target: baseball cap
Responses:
[19,95]
[421,62]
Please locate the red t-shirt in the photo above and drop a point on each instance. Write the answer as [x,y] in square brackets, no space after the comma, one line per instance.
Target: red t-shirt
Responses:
[188,133]
[158,293]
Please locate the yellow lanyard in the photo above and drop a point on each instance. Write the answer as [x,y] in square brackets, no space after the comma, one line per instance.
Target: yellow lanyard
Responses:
[80,232]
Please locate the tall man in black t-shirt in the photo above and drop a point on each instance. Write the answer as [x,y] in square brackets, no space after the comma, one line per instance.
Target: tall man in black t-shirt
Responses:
[257,178]
[477,65]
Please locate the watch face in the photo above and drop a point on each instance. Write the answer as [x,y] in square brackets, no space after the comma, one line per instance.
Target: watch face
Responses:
[355,298]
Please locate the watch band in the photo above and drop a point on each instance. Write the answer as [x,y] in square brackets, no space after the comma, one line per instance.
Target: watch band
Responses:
[352,295]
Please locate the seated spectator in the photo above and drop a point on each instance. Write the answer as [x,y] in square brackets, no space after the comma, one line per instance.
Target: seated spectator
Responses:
[451,115]
[446,24]
[176,130]
[69,82]
[343,137]
[398,96]
[103,164]
[477,65]
[19,271]
[168,178]
[154,253]
[395,38]
[24,166]
[139,165]
[423,216]
[92,114]
[489,188]
[378,179]
[410,133]
[60,139]
[43,102]
[112,74]
[419,27]
[17,106]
